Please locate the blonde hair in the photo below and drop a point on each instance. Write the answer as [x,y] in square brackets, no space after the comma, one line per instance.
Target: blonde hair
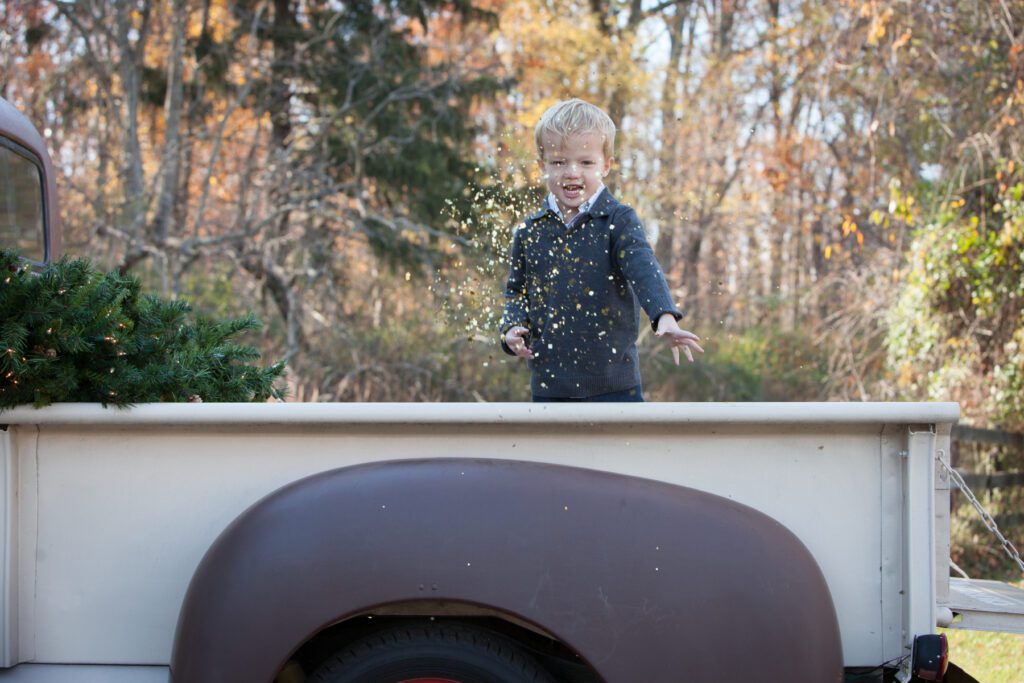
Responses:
[572,117]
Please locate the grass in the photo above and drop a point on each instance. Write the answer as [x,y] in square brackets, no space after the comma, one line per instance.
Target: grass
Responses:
[989,657]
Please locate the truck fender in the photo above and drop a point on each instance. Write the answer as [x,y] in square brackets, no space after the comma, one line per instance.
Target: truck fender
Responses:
[646,581]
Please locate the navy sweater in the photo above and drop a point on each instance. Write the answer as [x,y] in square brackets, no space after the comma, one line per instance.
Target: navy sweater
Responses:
[579,291]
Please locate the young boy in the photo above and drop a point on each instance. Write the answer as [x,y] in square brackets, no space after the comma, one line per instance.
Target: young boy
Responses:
[581,269]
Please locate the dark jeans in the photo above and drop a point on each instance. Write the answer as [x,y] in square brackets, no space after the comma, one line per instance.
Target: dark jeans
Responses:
[634,395]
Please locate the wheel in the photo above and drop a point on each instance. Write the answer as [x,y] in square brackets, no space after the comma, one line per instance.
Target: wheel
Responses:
[431,653]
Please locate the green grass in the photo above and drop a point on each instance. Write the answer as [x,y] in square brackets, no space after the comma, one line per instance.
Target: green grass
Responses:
[989,657]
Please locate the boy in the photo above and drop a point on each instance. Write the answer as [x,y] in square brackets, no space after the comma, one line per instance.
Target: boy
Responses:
[581,269]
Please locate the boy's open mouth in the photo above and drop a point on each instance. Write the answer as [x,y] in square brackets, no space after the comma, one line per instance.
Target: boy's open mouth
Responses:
[572,190]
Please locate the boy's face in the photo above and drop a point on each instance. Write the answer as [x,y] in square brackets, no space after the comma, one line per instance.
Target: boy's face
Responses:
[573,168]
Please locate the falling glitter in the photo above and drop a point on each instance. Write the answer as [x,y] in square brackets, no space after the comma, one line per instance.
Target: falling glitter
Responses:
[470,286]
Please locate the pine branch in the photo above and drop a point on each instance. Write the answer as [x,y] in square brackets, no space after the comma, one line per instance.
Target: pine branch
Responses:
[72,333]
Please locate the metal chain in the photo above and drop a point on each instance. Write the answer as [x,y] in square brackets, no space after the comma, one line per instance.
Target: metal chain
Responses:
[985,516]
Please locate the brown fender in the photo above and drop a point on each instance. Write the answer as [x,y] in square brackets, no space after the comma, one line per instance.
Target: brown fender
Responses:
[646,581]
[16,127]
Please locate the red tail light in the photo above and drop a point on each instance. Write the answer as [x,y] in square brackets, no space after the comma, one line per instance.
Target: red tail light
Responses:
[931,657]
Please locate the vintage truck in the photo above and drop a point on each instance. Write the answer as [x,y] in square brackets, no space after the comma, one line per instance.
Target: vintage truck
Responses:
[469,543]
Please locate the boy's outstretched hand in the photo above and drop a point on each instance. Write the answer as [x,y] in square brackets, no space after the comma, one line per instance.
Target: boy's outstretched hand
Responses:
[515,338]
[669,329]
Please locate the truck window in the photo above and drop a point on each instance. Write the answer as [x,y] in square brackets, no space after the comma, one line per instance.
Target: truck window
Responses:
[22,216]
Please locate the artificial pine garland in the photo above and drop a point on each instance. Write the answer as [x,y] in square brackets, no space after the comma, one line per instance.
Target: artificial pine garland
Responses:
[72,333]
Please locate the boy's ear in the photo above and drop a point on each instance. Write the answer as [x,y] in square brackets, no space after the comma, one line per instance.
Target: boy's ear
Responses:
[540,164]
[607,166]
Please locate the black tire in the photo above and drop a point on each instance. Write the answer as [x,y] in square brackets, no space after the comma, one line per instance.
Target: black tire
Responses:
[456,652]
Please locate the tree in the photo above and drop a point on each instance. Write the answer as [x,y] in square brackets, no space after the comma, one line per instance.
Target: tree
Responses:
[72,333]
[956,328]
[294,142]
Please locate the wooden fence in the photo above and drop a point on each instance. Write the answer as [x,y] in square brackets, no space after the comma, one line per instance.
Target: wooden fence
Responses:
[1008,447]
[992,465]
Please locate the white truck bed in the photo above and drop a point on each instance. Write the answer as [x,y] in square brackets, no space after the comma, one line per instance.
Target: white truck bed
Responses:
[107,512]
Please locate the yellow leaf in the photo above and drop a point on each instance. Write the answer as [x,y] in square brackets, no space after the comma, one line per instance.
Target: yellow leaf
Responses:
[828,253]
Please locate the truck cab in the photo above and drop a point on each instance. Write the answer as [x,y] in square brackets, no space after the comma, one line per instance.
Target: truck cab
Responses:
[29,221]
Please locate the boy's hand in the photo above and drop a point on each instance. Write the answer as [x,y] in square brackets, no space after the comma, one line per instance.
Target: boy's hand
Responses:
[515,338]
[669,328]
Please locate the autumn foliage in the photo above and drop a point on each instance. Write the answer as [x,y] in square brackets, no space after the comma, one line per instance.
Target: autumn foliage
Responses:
[831,186]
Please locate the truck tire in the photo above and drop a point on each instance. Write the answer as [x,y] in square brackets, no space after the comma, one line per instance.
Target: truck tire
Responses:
[431,652]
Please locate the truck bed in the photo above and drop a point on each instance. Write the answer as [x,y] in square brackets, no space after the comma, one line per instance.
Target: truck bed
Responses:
[107,512]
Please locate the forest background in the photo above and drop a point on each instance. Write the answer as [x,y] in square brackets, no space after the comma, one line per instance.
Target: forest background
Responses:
[834,189]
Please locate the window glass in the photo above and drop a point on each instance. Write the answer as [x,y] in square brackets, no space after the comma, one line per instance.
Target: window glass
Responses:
[21,205]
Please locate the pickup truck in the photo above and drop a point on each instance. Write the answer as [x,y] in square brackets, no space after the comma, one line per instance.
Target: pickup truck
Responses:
[465,543]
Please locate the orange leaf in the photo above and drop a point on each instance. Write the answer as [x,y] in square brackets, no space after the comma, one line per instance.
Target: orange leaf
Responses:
[902,40]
